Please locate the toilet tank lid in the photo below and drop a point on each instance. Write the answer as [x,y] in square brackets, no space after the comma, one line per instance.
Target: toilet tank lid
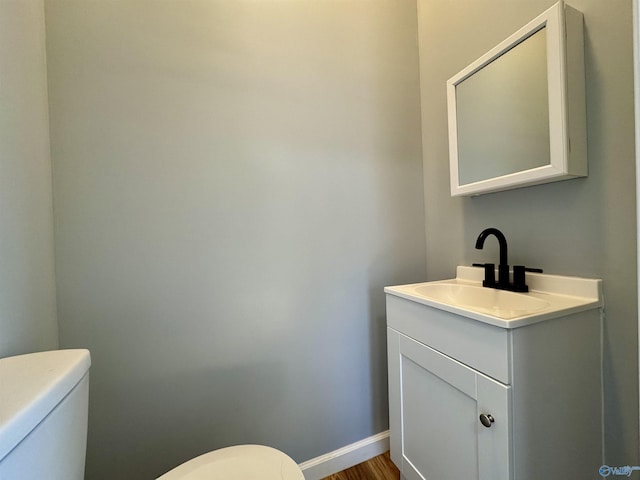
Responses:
[31,386]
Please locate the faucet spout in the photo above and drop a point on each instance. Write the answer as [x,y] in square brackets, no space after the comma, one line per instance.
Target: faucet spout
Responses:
[503,267]
[502,241]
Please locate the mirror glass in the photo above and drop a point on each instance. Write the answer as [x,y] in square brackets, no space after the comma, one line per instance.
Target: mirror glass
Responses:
[503,113]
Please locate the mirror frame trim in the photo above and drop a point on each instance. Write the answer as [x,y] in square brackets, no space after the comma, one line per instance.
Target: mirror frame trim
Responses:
[567,109]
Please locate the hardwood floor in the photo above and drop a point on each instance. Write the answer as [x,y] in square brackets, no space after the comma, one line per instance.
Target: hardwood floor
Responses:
[378,468]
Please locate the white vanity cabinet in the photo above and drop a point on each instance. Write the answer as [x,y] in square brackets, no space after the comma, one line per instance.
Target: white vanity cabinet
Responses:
[537,386]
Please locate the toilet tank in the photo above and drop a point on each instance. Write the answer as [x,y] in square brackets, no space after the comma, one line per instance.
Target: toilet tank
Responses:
[43,415]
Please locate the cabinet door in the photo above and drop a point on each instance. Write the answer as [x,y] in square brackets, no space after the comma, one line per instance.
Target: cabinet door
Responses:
[437,429]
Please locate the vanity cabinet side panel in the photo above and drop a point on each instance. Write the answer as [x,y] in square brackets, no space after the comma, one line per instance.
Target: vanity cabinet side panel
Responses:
[557,398]
[483,347]
[395,396]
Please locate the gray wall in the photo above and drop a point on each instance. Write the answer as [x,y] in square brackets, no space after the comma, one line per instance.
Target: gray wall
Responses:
[582,227]
[235,182]
[27,288]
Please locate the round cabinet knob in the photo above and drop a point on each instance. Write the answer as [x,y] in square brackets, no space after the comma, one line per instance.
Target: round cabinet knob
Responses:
[486,419]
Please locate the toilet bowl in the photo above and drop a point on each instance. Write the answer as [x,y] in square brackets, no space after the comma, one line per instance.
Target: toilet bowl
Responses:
[43,427]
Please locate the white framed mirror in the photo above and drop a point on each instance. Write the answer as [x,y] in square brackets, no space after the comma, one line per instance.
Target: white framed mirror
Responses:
[517,114]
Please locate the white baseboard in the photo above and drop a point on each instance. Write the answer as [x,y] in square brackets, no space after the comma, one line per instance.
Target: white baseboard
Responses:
[345,457]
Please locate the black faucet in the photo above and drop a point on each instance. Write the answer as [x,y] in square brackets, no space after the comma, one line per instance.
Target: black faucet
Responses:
[503,282]
[503,266]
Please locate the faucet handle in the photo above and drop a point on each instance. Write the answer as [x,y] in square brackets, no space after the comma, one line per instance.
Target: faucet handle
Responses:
[489,273]
[519,284]
[533,270]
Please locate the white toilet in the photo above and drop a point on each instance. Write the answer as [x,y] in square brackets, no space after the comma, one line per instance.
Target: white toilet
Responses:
[43,427]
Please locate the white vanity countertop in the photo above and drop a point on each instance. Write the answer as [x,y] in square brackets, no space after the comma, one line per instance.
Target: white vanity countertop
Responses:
[549,296]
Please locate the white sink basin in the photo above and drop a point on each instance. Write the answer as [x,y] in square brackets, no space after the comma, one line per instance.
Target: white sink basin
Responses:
[499,303]
[549,296]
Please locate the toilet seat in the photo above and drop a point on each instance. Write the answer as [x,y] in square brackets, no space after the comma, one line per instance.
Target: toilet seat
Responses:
[241,462]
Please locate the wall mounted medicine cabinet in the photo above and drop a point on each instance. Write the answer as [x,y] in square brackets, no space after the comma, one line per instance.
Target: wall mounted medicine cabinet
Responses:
[517,114]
